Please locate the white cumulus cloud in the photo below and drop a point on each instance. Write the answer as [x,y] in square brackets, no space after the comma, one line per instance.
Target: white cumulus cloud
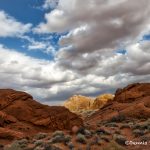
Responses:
[10,27]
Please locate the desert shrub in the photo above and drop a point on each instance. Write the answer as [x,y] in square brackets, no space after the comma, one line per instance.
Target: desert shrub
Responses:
[14,146]
[60,133]
[136,126]
[113,146]
[39,142]
[67,138]
[23,142]
[145,125]
[40,136]
[81,130]
[105,138]
[131,124]
[38,148]
[145,138]
[87,133]
[57,139]
[103,132]
[81,138]
[111,125]
[50,147]
[138,132]
[118,118]
[70,146]
[120,139]
[117,132]
[148,120]
[124,126]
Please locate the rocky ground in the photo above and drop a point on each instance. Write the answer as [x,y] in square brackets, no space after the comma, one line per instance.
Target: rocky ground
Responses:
[121,124]
[108,135]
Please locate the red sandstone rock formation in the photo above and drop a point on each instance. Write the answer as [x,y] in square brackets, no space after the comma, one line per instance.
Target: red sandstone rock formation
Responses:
[132,101]
[20,116]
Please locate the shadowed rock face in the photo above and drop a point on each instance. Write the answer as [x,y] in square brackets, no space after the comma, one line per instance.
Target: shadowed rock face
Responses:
[132,101]
[21,115]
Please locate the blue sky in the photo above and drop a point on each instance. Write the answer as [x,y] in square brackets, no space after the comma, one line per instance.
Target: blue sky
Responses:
[54,49]
[28,11]
[25,10]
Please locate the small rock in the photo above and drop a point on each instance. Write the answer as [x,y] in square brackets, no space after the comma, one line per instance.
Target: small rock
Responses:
[75,129]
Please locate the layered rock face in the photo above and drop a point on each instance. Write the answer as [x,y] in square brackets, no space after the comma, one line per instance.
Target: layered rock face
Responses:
[20,115]
[132,101]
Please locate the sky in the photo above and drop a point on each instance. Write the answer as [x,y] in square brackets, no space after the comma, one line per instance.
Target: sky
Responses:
[54,49]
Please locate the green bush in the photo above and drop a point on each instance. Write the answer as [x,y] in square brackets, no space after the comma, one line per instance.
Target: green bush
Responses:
[138,132]
[81,138]
[111,125]
[118,118]
[60,133]
[120,139]
[70,145]
[14,146]
[124,126]
[57,139]
[40,136]
[67,138]
[39,142]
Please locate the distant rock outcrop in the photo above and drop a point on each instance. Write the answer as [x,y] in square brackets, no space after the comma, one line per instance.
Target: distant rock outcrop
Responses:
[101,100]
[82,104]
[132,101]
[20,115]
[78,103]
